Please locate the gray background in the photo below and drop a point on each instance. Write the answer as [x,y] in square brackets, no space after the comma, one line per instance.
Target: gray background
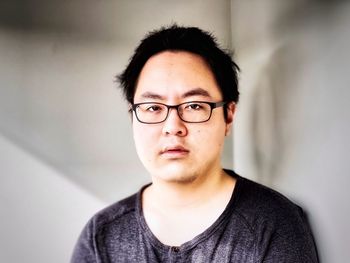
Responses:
[66,146]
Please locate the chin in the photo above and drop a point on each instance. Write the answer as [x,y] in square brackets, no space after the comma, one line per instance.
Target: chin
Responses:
[181,179]
[175,174]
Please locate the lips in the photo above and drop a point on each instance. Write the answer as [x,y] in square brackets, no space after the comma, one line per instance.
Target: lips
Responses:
[174,151]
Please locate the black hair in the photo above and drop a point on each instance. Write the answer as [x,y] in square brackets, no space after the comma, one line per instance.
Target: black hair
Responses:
[190,39]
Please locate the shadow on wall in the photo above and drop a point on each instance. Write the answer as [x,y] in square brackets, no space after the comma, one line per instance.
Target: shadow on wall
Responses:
[303,38]
[275,110]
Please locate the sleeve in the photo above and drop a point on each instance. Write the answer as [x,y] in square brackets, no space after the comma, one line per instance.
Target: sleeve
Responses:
[291,241]
[85,248]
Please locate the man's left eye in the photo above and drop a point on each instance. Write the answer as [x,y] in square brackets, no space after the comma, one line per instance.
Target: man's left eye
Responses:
[194,106]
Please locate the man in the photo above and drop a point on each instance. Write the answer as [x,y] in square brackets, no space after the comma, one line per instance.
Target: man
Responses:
[182,90]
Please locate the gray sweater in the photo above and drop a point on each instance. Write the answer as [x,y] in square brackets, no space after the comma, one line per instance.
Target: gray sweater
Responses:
[258,225]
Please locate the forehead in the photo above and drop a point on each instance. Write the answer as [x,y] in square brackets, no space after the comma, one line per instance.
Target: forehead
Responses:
[174,73]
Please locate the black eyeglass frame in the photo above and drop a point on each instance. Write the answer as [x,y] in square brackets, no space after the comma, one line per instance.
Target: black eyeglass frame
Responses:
[213,105]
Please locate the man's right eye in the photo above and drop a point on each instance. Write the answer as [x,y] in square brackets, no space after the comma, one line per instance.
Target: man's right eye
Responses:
[153,108]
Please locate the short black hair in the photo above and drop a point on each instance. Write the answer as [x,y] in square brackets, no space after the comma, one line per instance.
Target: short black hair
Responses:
[190,39]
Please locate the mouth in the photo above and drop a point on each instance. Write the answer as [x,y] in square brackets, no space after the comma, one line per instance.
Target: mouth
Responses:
[174,152]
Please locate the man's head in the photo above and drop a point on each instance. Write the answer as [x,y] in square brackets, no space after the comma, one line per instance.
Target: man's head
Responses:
[190,39]
[183,90]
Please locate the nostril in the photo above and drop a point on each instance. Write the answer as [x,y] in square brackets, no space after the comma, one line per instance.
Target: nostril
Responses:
[173,125]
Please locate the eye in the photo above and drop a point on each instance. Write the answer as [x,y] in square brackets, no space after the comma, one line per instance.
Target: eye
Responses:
[194,106]
[153,108]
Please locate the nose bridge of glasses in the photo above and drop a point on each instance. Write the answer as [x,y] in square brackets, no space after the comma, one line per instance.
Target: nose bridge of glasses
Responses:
[177,109]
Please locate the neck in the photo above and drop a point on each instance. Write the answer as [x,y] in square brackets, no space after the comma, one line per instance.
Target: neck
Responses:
[189,195]
[177,212]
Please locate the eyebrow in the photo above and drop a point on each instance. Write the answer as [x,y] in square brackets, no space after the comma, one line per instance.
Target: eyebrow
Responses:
[151,95]
[190,93]
[196,92]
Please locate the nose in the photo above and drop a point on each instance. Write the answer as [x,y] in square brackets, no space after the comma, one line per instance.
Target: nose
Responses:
[173,125]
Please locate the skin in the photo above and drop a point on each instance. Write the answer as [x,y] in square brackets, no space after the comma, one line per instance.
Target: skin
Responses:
[189,190]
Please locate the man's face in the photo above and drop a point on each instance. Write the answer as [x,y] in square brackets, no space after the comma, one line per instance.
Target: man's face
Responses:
[176,151]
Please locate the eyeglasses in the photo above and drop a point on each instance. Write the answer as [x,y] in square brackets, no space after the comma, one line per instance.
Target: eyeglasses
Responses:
[191,112]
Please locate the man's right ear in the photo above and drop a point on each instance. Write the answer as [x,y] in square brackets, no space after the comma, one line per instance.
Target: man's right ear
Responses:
[130,112]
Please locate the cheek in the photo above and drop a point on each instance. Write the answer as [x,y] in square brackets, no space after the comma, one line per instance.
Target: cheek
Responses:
[138,135]
[210,137]
[145,138]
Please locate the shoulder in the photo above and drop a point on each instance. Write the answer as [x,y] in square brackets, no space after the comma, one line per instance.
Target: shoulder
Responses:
[261,208]
[109,220]
[278,225]
[259,204]
[256,203]
[114,214]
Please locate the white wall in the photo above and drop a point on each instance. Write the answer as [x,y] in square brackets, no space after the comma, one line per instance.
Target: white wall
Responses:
[292,129]
[42,212]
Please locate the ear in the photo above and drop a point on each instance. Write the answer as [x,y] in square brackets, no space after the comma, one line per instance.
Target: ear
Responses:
[130,112]
[231,112]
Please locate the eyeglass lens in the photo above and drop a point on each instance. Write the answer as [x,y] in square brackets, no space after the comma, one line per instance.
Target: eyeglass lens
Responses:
[189,112]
